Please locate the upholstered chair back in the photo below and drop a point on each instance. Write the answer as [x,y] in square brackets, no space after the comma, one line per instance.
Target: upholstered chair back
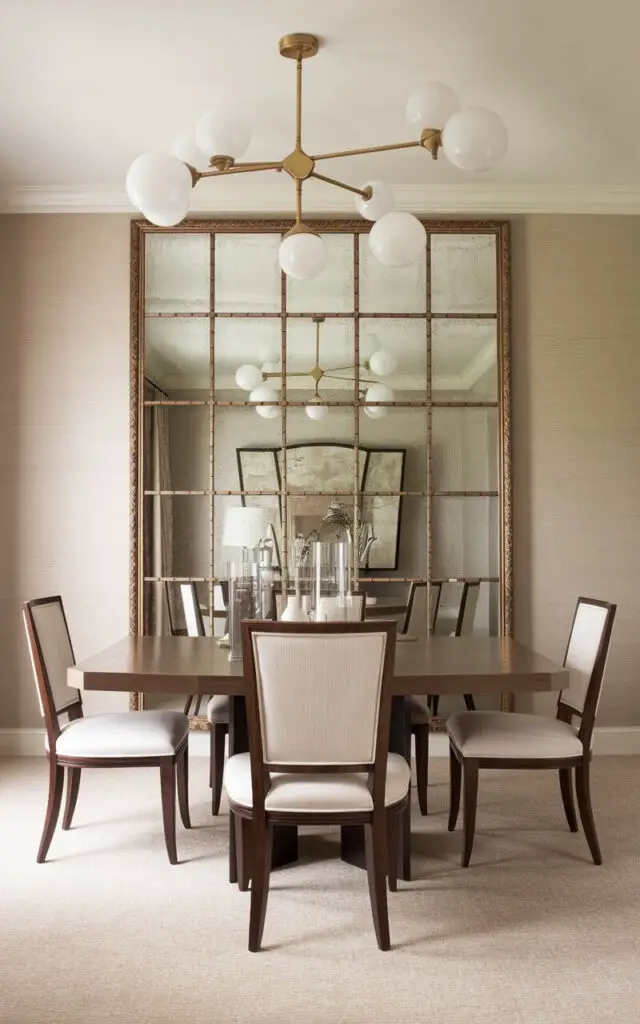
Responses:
[586,656]
[468,605]
[51,655]
[192,614]
[318,691]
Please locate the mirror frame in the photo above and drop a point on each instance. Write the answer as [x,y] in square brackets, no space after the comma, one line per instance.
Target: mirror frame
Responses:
[141,228]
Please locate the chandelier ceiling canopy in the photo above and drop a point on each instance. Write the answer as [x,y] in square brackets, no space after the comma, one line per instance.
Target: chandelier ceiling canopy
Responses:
[471,138]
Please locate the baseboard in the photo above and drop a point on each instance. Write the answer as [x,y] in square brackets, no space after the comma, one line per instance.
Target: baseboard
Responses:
[607,740]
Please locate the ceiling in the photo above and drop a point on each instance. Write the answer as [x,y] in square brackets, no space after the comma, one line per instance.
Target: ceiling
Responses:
[85,88]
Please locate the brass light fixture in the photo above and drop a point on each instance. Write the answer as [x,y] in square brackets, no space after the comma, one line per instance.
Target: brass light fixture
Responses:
[473,139]
[381,362]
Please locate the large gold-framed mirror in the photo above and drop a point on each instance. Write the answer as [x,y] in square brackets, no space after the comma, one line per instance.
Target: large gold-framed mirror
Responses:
[389,395]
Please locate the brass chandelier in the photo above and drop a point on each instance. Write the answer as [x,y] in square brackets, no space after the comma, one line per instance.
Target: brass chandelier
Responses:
[472,138]
[381,362]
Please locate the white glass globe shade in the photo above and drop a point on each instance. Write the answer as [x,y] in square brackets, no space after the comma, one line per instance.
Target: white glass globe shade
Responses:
[265,394]
[369,343]
[184,148]
[222,135]
[302,255]
[160,186]
[316,411]
[248,377]
[381,201]
[431,106]
[383,362]
[378,393]
[398,239]
[475,139]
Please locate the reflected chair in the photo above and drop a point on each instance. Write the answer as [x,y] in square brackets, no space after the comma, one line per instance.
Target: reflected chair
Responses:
[495,739]
[319,750]
[217,706]
[464,627]
[128,739]
[419,706]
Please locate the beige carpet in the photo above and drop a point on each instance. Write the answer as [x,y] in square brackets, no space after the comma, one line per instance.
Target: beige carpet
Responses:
[109,931]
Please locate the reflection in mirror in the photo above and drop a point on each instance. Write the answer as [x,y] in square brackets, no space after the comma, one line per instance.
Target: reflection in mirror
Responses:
[463,273]
[464,361]
[177,273]
[465,538]
[247,274]
[332,290]
[464,449]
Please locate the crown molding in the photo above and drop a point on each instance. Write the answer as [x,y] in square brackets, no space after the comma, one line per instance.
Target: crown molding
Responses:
[232,197]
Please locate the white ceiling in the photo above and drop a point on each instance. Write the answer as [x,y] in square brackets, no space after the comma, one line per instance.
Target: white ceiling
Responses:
[86,87]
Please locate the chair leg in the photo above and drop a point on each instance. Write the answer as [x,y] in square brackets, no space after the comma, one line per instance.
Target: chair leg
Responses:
[262,835]
[421,735]
[243,851]
[182,775]
[583,793]
[198,704]
[56,781]
[218,736]
[375,840]
[566,790]
[73,785]
[435,704]
[469,702]
[233,860]
[470,772]
[455,785]
[168,790]
[393,838]
[187,704]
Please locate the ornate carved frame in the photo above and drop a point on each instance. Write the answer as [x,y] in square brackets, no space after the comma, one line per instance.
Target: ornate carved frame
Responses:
[499,229]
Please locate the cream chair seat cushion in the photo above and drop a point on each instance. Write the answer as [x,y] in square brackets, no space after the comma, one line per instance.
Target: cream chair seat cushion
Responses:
[318,794]
[218,710]
[419,708]
[124,734]
[497,734]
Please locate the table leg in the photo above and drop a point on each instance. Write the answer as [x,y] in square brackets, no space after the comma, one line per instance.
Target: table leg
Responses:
[352,836]
[285,837]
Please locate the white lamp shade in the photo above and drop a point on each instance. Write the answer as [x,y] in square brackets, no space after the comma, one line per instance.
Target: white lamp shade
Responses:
[378,393]
[381,201]
[398,239]
[302,255]
[431,106]
[222,135]
[474,139]
[265,394]
[244,527]
[248,377]
[184,148]
[383,362]
[159,185]
[316,410]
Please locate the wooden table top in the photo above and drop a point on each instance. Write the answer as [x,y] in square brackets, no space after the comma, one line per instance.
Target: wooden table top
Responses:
[194,665]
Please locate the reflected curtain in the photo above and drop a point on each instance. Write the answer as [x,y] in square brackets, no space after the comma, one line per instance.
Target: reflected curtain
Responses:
[159,523]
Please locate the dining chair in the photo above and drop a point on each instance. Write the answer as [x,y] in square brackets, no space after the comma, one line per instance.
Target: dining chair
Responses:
[419,707]
[319,750]
[465,622]
[129,739]
[217,706]
[496,739]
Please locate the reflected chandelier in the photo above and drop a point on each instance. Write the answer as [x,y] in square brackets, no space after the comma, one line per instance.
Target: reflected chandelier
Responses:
[473,139]
[381,362]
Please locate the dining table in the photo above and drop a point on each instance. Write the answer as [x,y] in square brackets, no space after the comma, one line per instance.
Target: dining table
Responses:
[181,665]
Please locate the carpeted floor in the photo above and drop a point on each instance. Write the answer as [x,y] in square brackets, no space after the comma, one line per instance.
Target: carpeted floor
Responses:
[108,931]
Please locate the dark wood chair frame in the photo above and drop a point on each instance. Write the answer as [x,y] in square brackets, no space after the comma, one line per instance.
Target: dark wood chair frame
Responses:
[173,769]
[254,826]
[467,768]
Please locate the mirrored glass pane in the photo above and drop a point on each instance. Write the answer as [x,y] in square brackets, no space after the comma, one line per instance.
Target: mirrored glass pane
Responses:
[238,530]
[251,343]
[320,358]
[393,450]
[463,273]
[391,289]
[247,274]
[176,534]
[177,278]
[398,527]
[177,448]
[176,353]
[389,601]
[465,538]
[394,352]
[467,608]
[464,452]
[332,290]
[464,362]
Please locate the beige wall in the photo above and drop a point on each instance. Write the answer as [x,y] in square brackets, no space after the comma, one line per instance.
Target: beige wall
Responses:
[64,435]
